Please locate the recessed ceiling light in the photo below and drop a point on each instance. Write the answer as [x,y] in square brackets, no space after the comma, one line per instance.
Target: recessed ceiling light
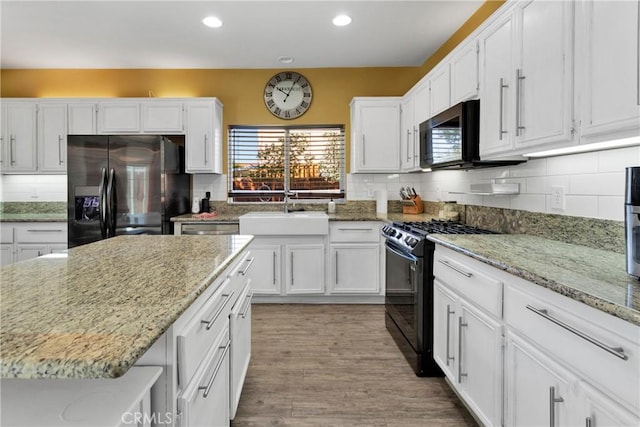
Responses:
[212,21]
[285,59]
[341,20]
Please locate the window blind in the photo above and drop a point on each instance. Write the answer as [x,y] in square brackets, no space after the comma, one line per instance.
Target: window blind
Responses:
[266,161]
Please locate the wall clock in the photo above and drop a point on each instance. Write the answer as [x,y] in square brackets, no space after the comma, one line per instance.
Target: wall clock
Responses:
[288,95]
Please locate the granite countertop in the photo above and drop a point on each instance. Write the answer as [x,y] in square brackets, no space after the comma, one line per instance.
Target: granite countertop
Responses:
[340,216]
[33,217]
[595,277]
[95,311]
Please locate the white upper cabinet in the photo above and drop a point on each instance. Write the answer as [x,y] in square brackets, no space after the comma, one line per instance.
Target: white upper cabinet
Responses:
[118,117]
[204,136]
[166,117]
[52,138]
[607,69]
[375,134]
[19,121]
[408,134]
[497,89]
[440,89]
[82,118]
[544,74]
[421,112]
[464,73]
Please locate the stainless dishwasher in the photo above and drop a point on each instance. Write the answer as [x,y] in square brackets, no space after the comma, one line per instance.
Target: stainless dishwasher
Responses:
[209,228]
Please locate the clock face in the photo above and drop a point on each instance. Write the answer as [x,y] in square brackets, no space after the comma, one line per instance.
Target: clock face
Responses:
[288,95]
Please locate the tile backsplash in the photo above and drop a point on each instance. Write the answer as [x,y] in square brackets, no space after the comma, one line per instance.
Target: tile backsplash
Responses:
[593,184]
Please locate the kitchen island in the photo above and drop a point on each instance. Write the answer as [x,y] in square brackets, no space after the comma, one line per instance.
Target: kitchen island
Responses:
[92,313]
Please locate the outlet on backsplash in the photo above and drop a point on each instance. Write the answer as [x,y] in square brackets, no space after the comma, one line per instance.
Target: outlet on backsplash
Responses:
[557,197]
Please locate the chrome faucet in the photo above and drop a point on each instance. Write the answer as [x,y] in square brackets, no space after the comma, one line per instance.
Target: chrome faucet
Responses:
[287,195]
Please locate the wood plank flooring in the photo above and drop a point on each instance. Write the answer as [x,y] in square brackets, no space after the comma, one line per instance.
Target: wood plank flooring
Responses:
[336,365]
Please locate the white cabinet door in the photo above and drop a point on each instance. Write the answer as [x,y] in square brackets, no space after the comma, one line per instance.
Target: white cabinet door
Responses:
[240,351]
[464,73]
[52,138]
[162,117]
[480,363]
[118,117]
[440,89]
[444,324]
[265,272]
[497,90]
[421,110]
[204,137]
[375,129]
[537,389]
[354,268]
[599,410]
[6,253]
[544,76]
[407,137]
[19,137]
[304,268]
[607,69]
[25,252]
[82,118]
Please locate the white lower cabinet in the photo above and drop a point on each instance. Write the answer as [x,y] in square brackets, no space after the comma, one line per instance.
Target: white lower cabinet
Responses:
[468,336]
[25,240]
[266,279]
[563,363]
[240,353]
[304,268]
[354,268]
[539,391]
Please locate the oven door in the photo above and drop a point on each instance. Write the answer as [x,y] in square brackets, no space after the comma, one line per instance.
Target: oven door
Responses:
[404,293]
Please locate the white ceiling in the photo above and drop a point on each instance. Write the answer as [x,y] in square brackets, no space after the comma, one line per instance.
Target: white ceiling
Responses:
[169,34]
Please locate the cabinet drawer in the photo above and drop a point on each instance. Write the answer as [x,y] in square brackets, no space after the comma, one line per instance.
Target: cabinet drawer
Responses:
[469,278]
[354,231]
[205,401]
[6,234]
[41,233]
[238,275]
[199,334]
[603,349]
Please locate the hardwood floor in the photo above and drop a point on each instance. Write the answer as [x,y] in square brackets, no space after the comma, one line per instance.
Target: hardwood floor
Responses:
[336,365]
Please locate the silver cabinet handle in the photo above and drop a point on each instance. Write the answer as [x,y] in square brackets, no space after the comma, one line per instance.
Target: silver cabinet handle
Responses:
[205,149]
[207,388]
[364,161]
[1,152]
[291,255]
[502,87]
[12,142]
[60,149]
[248,304]
[249,262]
[336,267]
[274,267]
[416,137]
[408,138]
[616,351]
[449,313]
[552,405]
[587,422]
[461,325]
[47,230]
[464,273]
[356,229]
[519,79]
[218,311]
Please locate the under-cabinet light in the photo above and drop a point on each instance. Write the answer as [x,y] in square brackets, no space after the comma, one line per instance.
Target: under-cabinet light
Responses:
[605,145]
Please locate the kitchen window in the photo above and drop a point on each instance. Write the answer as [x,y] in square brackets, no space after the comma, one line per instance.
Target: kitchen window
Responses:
[307,162]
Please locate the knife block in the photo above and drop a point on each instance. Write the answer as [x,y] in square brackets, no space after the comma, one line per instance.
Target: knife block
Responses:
[413,206]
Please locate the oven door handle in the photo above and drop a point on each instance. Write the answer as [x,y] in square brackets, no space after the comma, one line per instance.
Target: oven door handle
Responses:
[406,256]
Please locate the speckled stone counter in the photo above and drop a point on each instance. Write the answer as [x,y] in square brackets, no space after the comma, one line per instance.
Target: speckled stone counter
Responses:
[234,218]
[94,312]
[33,217]
[33,212]
[593,276]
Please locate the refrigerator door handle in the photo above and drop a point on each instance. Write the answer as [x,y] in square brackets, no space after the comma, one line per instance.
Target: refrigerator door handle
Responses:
[103,207]
[111,215]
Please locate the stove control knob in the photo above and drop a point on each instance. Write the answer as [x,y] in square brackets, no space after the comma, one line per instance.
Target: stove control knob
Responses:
[411,241]
[399,236]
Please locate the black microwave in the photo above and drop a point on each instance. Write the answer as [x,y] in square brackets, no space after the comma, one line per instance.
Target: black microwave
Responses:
[451,139]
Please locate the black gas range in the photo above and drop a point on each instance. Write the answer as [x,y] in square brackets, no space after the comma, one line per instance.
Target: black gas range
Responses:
[409,287]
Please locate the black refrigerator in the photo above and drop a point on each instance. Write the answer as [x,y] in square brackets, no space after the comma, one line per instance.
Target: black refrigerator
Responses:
[126,184]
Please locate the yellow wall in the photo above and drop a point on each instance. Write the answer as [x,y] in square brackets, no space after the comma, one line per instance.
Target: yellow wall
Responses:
[240,91]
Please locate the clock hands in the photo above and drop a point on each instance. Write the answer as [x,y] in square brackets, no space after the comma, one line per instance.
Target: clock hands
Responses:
[290,89]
